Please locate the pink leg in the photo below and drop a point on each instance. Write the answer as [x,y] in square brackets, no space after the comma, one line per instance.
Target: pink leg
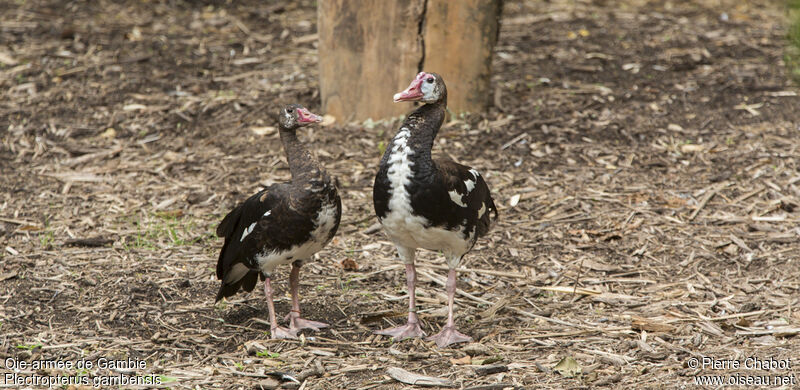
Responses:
[276,332]
[449,334]
[295,322]
[411,329]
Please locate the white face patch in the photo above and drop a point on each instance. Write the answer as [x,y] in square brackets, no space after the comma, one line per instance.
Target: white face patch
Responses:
[428,91]
[482,210]
[247,231]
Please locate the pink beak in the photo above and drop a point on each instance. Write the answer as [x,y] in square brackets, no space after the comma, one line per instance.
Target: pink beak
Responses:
[305,116]
[413,92]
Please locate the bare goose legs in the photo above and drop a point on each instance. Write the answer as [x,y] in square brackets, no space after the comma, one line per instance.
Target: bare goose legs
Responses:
[295,322]
[411,328]
[276,332]
[449,334]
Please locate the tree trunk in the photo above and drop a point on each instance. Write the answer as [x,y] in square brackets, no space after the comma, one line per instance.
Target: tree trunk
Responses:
[367,50]
[371,49]
[459,38]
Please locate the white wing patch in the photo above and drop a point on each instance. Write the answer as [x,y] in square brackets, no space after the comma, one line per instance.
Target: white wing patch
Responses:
[482,211]
[247,231]
[456,198]
[470,184]
[252,226]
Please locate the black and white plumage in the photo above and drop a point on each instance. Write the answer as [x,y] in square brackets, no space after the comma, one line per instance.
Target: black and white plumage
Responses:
[425,203]
[283,223]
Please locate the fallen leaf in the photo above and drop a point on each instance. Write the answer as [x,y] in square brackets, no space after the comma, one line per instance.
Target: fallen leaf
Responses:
[134,107]
[411,378]
[568,367]
[675,202]
[490,360]
[731,249]
[675,127]
[463,360]
[135,34]
[744,322]
[514,200]
[170,214]
[255,346]
[691,148]
[109,133]
[30,228]
[634,67]
[349,264]
[475,349]
[328,120]
[262,130]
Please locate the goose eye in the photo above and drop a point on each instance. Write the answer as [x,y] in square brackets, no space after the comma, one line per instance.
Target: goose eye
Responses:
[289,110]
[430,80]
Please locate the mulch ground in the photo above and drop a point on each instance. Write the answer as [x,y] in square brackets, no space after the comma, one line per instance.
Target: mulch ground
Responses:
[644,156]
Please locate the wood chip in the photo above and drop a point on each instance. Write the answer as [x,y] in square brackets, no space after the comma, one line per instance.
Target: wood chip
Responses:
[490,369]
[89,242]
[7,276]
[779,332]
[644,324]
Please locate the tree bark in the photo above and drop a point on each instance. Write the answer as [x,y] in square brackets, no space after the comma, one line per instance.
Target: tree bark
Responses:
[459,37]
[371,49]
[367,50]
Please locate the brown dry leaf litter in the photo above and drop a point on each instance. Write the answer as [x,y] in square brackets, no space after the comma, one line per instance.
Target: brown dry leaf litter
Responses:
[644,156]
